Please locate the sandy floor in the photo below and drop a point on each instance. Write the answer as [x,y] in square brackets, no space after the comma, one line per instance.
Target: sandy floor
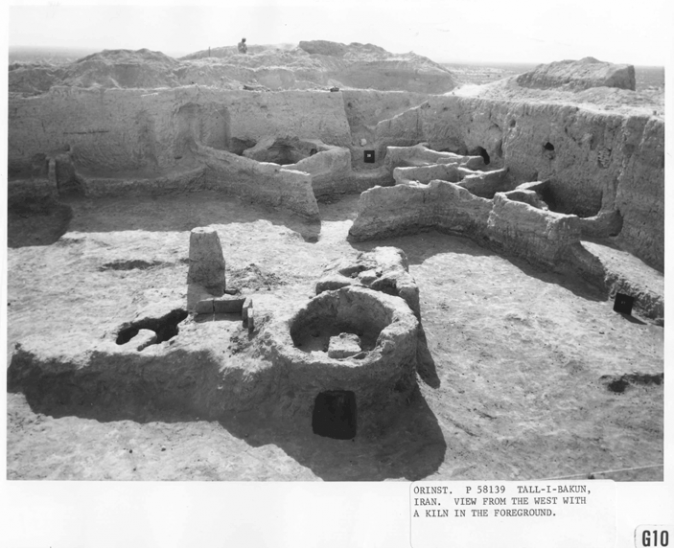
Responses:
[526,362]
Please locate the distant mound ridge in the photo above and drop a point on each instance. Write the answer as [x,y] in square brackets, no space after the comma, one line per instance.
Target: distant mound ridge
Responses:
[324,63]
[125,69]
[108,68]
[121,56]
[316,64]
[324,47]
[579,75]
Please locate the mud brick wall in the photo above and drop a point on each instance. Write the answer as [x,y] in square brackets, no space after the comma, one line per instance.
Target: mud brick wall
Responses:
[118,130]
[582,152]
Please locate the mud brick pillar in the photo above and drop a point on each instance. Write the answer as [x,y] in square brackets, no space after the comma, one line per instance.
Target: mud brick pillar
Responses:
[207,264]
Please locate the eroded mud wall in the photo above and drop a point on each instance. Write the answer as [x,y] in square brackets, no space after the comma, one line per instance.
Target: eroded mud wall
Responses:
[392,211]
[365,108]
[262,182]
[111,131]
[583,153]
[394,74]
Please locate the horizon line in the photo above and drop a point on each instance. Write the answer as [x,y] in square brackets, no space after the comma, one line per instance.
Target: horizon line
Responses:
[177,54]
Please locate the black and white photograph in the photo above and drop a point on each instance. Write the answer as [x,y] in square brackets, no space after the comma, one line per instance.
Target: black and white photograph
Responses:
[270,263]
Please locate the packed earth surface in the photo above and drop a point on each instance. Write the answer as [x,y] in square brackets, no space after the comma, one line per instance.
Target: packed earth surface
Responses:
[535,377]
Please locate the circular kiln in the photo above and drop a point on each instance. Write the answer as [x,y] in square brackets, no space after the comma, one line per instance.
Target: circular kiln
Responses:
[342,396]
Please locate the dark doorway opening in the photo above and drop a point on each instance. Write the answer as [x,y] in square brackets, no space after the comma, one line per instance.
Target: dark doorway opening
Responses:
[368,156]
[623,303]
[481,151]
[335,415]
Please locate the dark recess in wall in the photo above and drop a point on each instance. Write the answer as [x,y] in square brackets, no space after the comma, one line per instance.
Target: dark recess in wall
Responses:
[165,327]
[481,151]
[549,151]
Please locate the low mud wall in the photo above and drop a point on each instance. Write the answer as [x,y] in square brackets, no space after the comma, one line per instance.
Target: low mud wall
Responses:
[265,183]
[581,152]
[544,238]
[584,154]
[408,208]
[538,235]
[330,170]
[365,108]
[117,130]
[189,372]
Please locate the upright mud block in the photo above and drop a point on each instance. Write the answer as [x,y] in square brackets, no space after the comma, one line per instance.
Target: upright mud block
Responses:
[250,319]
[247,306]
[207,264]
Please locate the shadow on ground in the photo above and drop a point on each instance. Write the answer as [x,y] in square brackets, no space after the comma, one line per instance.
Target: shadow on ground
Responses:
[571,282]
[44,221]
[40,221]
[411,446]
[632,319]
[177,211]
[435,242]
[425,362]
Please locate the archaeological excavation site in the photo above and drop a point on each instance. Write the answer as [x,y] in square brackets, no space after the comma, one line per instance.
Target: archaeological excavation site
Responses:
[333,262]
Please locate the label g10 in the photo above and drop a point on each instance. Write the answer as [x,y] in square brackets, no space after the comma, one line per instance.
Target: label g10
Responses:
[653,537]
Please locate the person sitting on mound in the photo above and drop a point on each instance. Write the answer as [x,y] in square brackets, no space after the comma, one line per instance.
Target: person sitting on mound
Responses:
[243,48]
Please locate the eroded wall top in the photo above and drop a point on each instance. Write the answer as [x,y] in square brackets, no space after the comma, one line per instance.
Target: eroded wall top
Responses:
[150,130]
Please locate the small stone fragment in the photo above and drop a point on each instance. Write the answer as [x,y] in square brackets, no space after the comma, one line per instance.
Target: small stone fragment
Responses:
[332,281]
[228,305]
[368,276]
[145,338]
[344,345]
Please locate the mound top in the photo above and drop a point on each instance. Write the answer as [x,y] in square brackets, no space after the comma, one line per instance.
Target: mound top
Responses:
[579,75]
[354,50]
[111,56]
[314,65]
[323,47]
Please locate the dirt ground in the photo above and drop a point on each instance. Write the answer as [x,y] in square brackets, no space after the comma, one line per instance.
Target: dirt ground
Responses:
[535,375]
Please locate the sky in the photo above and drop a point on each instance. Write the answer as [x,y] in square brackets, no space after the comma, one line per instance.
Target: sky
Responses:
[473,31]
